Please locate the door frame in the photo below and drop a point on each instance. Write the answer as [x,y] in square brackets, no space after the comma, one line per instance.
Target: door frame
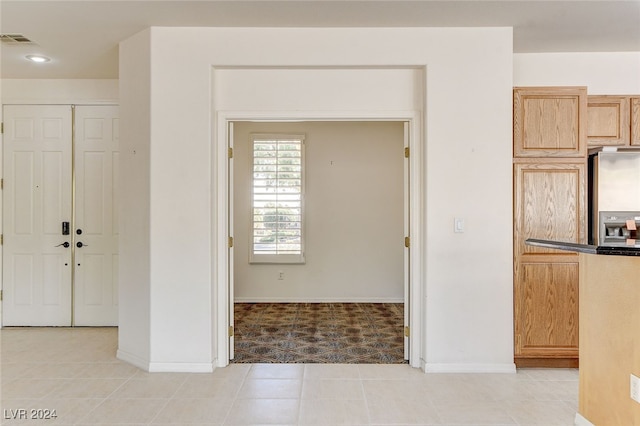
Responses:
[222,277]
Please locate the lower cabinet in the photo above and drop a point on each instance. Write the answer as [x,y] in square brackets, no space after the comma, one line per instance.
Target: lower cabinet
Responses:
[546,313]
[550,204]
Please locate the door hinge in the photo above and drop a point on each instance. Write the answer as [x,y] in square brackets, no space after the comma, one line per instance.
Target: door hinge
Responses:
[406,331]
[406,152]
[2,183]
[230,152]
[407,242]
[1,239]
[2,127]
[230,242]
[231,331]
[1,295]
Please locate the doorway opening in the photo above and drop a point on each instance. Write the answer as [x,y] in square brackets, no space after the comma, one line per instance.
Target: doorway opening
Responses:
[349,300]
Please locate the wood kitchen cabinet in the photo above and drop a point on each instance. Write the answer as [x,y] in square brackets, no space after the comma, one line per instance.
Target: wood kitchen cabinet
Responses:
[549,122]
[550,204]
[635,120]
[608,119]
[547,313]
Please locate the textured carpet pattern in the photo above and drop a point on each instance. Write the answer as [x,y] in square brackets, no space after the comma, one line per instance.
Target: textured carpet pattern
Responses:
[346,333]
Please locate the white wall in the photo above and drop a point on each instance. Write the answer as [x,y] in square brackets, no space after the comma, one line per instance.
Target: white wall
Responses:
[467,156]
[59,91]
[616,73]
[354,201]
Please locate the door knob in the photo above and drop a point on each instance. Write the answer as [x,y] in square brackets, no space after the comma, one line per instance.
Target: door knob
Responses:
[79,244]
[65,244]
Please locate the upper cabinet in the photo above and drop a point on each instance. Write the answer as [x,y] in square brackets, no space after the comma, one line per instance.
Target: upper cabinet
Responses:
[608,121]
[550,122]
[635,120]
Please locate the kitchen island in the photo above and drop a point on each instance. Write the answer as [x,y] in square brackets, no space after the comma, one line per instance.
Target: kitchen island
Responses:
[609,331]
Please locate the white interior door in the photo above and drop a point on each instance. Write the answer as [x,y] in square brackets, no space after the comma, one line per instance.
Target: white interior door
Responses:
[37,200]
[53,277]
[407,231]
[95,232]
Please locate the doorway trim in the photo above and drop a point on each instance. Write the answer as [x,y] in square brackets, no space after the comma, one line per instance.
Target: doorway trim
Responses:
[221,273]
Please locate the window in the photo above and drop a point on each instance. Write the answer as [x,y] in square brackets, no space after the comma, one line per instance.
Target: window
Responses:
[277,199]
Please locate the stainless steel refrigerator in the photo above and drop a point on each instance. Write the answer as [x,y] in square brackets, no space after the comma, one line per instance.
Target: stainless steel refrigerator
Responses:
[614,196]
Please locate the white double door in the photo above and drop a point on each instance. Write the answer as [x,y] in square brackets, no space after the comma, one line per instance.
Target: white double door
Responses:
[60,215]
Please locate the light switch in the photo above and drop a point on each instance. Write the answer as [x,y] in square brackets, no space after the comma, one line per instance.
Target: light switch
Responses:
[458,224]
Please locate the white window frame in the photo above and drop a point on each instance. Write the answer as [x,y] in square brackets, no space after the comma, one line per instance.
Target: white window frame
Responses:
[297,258]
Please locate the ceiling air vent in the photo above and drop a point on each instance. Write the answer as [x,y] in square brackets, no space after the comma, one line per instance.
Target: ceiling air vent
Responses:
[15,39]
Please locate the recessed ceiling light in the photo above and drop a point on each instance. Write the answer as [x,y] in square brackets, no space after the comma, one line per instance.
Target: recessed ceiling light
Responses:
[38,58]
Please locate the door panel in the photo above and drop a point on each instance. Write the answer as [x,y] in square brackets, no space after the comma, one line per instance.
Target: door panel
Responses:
[96,218]
[37,199]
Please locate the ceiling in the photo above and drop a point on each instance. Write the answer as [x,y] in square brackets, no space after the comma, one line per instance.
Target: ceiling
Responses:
[81,36]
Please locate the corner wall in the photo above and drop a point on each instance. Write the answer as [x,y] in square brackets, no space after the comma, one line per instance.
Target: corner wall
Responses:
[135,284]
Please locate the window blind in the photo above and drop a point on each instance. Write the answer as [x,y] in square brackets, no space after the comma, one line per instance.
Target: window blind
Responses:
[277,191]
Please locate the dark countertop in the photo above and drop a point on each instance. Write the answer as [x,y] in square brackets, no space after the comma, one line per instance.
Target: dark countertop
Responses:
[586,248]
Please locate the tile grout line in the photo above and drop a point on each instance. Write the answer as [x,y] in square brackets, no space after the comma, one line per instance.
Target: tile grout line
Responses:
[168,399]
[79,421]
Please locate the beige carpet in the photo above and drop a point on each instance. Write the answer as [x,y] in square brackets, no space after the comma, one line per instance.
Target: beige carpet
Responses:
[348,333]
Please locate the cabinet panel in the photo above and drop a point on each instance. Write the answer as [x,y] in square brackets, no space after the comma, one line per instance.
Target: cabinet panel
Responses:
[546,310]
[608,120]
[635,120]
[550,121]
[550,204]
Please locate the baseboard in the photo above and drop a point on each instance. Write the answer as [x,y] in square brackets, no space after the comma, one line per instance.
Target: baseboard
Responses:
[165,367]
[317,300]
[181,367]
[581,421]
[547,362]
[469,368]
[135,360]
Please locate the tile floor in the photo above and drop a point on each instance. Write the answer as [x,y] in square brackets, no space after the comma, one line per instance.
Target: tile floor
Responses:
[75,373]
[338,333]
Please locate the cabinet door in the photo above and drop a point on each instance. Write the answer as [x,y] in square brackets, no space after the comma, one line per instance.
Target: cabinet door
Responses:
[550,204]
[635,120]
[546,310]
[608,121]
[550,121]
